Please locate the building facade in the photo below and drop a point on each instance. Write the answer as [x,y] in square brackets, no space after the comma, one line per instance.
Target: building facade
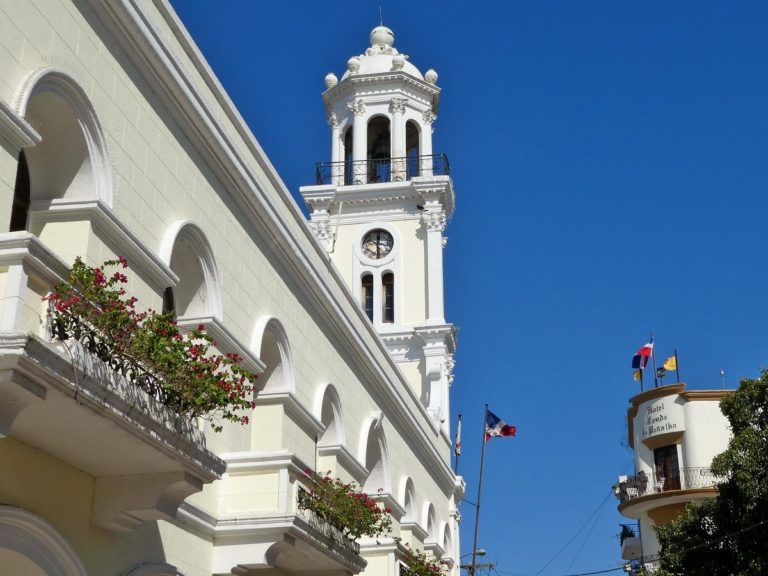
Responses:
[674,433]
[116,139]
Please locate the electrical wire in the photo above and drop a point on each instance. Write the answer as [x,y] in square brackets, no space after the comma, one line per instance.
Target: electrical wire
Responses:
[579,531]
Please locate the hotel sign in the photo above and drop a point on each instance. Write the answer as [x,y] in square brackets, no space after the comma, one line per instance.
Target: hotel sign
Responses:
[660,416]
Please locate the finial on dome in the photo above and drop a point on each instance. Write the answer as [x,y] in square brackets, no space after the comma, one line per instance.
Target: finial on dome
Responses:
[331,80]
[353,65]
[430,76]
[382,36]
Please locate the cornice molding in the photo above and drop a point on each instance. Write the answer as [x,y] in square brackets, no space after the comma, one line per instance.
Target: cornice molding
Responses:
[15,130]
[111,230]
[294,409]
[276,218]
[26,248]
[346,459]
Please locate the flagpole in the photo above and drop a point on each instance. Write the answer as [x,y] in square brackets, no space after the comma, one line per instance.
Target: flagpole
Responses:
[677,367]
[479,489]
[457,448]
[653,358]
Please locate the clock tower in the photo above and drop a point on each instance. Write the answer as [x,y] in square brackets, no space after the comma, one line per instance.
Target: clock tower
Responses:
[380,206]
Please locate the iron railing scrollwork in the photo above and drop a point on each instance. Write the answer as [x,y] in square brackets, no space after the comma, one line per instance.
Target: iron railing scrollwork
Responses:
[63,328]
[683,479]
[376,170]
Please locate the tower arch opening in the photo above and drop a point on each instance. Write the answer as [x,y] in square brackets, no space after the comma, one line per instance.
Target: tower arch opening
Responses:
[412,149]
[379,153]
[349,173]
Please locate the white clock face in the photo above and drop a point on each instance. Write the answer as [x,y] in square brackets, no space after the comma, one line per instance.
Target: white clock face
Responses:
[377,244]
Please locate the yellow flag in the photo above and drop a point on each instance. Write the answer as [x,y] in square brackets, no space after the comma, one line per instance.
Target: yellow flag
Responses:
[670,363]
[638,375]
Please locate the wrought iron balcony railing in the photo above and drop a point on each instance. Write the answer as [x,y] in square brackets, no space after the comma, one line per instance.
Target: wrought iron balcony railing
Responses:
[685,478]
[381,170]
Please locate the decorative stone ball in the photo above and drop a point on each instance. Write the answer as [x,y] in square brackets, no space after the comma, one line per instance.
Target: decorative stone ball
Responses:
[331,80]
[382,36]
[398,61]
[430,76]
[353,64]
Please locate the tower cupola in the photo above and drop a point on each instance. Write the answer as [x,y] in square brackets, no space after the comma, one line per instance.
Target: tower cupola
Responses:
[381,114]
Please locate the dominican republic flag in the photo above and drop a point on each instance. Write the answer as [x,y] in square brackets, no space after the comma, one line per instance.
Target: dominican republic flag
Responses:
[640,360]
[495,426]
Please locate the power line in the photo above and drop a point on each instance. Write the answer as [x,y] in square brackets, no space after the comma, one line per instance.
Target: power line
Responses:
[562,549]
[599,507]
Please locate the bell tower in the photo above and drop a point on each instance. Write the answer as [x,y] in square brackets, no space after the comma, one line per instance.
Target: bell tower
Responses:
[380,207]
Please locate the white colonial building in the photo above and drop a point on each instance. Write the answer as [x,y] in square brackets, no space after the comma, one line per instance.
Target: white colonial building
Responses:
[116,139]
[675,433]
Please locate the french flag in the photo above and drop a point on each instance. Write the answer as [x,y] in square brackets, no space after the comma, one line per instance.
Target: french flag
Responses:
[640,360]
[496,427]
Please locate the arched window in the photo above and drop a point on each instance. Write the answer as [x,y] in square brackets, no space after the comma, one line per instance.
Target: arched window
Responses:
[411,149]
[375,458]
[388,298]
[71,160]
[275,352]
[431,524]
[409,502]
[330,416]
[379,150]
[29,546]
[366,295]
[21,196]
[188,253]
[349,173]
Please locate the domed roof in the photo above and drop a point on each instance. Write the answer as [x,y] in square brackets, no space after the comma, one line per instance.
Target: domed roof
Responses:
[381,57]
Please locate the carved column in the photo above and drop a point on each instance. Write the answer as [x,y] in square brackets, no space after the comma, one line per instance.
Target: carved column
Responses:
[434,222]
[397,109]
[426,143]
[336,174]
[359,142]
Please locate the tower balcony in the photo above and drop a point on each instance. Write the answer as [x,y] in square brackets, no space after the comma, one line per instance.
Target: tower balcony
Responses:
[374,171]
[641,492]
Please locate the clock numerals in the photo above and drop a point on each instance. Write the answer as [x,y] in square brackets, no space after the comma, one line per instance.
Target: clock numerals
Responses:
[377,244]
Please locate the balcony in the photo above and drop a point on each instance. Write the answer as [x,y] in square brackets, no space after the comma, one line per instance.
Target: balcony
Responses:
[63,400]
[259,530]
[631,487]
[641,493]
[375,171]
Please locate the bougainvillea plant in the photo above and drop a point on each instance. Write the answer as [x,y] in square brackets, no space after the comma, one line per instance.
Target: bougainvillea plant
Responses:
[344,506]
[420,563]
[180,370]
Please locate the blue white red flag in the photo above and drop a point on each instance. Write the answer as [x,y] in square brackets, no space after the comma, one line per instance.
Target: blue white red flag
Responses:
[640,360]
[495,426]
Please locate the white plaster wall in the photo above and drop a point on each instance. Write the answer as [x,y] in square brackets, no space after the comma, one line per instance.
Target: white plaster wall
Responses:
[707,433]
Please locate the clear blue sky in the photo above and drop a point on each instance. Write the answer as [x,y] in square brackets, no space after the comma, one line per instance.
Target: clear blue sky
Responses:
[610,165]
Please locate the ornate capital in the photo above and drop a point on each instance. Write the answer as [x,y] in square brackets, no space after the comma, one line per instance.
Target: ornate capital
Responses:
[322,229]
[429,116]
[357,107]
[448,369]
[333,120]
[397,105]
[434,221]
